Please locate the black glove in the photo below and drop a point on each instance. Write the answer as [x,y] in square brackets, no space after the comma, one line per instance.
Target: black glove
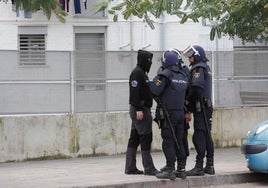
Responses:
[159,116]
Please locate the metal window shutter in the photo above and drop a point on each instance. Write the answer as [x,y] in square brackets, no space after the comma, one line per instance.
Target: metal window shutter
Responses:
[89,58]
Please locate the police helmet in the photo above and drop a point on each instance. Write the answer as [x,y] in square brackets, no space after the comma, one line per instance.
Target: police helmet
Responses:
[171,57]
[197,52]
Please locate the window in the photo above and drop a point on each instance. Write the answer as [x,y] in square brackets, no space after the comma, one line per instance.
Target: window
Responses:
[32,49]
[32,45]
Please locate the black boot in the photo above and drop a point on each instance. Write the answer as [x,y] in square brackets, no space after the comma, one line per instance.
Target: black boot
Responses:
[130,167]
[180,172]
[164,168]
[168,173]
[147,161]
[209,168]
[197,170]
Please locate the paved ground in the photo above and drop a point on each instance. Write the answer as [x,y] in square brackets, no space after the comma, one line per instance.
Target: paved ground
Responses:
[241,185]
[107,171]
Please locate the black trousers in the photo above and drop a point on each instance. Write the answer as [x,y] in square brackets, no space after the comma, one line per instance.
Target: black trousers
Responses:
[169,147]
[202,139]
[141,130]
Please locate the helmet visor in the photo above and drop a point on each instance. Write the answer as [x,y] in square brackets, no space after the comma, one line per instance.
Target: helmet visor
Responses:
[190,51]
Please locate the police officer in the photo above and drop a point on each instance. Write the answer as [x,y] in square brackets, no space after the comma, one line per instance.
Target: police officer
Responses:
[169,88]
[187,119]
[199,102]
[140,101]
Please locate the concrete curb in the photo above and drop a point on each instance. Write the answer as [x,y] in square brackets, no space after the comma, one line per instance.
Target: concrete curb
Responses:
[191,182]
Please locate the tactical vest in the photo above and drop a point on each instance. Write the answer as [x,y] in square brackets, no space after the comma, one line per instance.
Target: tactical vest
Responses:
[207,90]
[174,94]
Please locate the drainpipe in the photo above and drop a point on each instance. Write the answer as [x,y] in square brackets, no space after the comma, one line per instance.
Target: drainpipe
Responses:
[131,41]
[162,33]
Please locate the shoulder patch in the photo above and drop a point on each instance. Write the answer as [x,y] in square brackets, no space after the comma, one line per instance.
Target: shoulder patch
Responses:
[134,83]
[197,74]
[158,82]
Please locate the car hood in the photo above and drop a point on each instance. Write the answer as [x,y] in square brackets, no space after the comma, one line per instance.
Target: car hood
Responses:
[261,136]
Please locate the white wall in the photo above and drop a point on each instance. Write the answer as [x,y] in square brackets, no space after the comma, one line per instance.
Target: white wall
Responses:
[8,36]
[125,35]
[60,37]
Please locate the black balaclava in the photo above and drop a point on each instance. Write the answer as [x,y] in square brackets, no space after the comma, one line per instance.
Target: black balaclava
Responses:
[145,60]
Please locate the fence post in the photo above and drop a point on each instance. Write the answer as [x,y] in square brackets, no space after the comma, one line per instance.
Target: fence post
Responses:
[72,81]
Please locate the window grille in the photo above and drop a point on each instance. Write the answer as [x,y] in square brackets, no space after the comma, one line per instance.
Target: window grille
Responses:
[32,49]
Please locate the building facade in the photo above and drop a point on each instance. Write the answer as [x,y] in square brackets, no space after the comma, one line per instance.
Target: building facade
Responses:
[83,65]
[68,71]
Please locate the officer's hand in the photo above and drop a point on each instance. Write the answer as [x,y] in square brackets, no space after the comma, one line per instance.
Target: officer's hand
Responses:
[188,117]
[139,115]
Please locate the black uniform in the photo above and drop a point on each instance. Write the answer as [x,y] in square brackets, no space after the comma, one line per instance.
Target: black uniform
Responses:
[140,99]
[187,126]
[169,86]
[200,104]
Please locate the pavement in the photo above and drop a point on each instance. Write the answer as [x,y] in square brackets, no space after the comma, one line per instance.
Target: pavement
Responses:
[108,172]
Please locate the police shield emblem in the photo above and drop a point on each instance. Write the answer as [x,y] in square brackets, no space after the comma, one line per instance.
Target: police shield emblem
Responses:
[134,83]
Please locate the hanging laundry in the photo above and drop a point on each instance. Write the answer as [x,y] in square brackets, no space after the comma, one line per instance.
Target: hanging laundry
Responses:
[14,7]
[63,4]
[77,7]
[60,2]
[85,3]
[17,12]
[27,14]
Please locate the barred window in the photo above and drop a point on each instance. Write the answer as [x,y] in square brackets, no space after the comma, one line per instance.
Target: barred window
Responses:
[32,49]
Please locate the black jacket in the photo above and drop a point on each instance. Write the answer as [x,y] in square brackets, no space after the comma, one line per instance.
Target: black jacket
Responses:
[139,91]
